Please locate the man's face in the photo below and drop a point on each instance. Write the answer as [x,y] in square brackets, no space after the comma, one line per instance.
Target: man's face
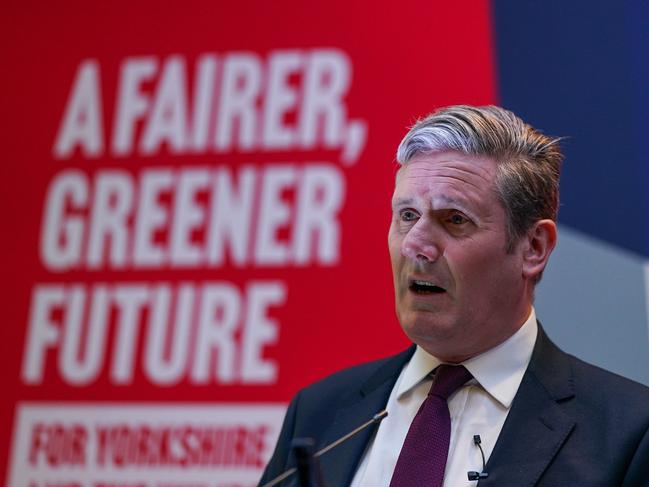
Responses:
[458,291]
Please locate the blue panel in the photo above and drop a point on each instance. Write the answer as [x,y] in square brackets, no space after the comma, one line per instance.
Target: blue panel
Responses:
[638,31]
[578,68]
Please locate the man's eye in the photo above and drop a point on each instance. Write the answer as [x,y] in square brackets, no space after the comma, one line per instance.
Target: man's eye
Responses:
[457,219]
[408,215]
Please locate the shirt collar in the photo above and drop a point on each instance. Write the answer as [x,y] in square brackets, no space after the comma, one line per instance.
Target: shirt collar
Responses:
[498,370]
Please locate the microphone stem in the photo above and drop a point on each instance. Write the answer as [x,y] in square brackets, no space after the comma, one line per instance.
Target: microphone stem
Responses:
[281,478]
[377,418]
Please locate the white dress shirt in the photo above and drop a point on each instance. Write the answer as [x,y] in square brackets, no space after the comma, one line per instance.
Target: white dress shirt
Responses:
[480,407]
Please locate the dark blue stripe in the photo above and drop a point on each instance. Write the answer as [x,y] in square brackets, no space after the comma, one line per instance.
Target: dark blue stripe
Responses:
[578,68]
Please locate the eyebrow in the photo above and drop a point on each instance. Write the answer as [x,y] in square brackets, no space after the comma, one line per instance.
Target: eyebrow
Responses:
[402,201]
[446,200]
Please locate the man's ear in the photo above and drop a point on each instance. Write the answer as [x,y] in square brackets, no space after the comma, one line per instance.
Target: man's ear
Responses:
[540,241]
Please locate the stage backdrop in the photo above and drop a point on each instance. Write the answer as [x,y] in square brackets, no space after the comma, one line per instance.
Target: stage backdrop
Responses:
[195,199]
[579,69]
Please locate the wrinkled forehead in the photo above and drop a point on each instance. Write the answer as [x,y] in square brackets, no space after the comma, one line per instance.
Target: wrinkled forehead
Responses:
[449,179]
[450,165]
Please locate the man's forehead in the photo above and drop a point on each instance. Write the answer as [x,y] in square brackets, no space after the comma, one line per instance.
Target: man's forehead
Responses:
[457,171]
[447,180]
[451,163]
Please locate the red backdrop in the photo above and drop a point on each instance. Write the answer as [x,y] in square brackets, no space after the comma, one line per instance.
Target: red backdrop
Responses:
[195,201]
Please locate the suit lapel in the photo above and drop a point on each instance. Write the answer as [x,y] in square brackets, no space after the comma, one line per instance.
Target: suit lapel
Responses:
[339,464]
[536,426]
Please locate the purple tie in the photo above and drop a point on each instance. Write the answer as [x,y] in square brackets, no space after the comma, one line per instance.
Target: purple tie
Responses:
[422,459]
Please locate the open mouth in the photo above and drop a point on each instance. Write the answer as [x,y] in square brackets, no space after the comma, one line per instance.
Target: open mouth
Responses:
[425,287]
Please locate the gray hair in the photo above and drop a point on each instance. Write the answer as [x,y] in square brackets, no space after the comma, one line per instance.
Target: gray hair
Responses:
[527,178]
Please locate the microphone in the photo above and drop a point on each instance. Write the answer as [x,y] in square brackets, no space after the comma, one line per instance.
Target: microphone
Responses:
[377,418]
[473,475]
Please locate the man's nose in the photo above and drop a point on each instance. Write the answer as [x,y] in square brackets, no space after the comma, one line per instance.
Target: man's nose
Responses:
[421,243]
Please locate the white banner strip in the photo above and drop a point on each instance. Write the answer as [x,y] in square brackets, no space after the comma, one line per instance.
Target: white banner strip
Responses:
[142,444]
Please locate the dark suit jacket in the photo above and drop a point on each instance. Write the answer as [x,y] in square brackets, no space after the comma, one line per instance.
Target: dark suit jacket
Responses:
[571,424]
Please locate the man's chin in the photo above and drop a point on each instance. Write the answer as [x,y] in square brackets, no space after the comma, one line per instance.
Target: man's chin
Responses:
[427,328]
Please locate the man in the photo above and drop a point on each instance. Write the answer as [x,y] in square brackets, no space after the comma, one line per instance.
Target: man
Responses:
[473,226]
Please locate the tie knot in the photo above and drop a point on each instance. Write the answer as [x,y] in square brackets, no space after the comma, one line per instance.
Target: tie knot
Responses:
[448,379]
